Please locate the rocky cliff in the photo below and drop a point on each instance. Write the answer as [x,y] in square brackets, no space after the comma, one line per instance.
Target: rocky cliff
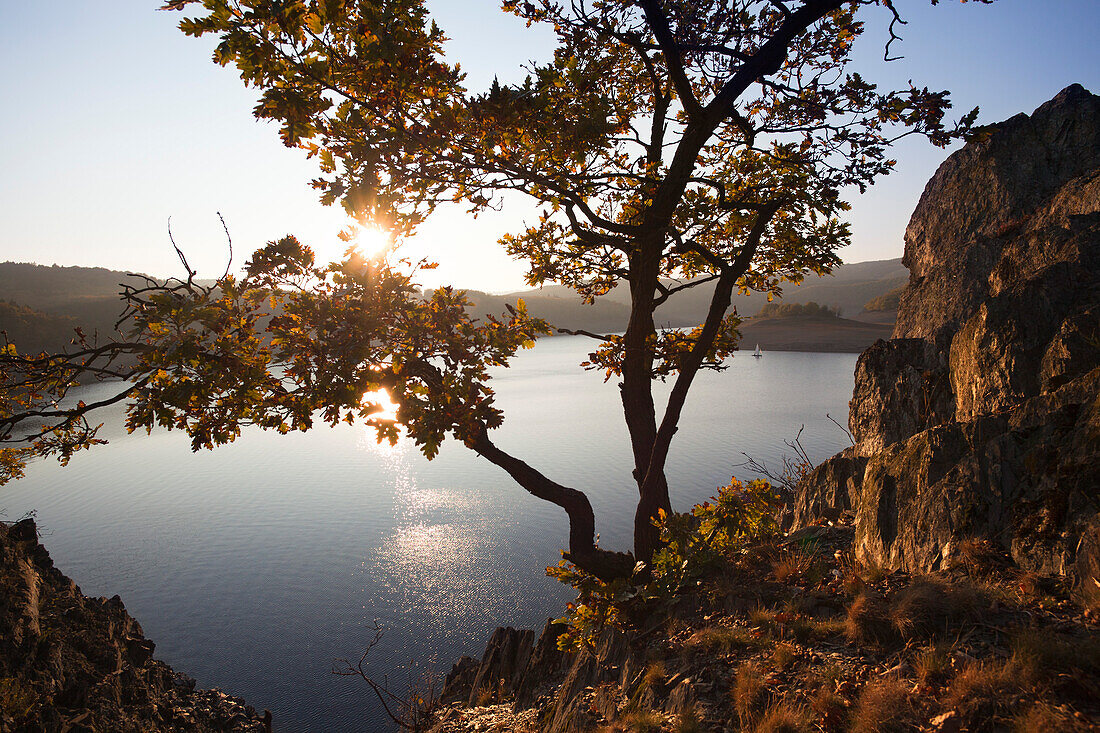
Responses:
[73,663]
[980,418]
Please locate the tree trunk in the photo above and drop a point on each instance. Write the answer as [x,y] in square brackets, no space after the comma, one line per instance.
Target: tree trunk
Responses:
[583,552]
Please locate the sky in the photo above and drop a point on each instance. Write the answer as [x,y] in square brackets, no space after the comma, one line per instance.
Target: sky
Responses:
[114,123]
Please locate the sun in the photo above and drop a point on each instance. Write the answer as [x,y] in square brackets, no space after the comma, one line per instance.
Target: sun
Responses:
[372,242]
[382,399]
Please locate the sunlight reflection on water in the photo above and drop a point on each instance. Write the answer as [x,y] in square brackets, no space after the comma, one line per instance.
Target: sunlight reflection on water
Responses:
[255,565]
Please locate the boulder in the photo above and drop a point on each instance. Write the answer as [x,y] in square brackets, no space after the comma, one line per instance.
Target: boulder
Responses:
[980,417]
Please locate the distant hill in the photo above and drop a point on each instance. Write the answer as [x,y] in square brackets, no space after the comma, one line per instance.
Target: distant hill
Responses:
[33,331]
[811,333]
[847,290]
[57,299]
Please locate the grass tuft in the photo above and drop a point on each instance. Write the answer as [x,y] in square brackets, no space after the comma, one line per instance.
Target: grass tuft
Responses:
[884,707]
[748,692]
[784,718]
[867,621]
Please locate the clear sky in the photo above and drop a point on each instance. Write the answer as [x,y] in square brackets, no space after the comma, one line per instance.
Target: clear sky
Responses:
[112,122]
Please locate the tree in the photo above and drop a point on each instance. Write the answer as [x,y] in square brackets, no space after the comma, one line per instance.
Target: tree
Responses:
[669,144]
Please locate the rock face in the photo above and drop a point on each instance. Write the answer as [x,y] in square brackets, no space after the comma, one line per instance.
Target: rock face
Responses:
[73,663]
[540,676]
[980,418]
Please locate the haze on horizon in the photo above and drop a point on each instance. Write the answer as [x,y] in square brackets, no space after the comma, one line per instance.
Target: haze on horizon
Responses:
[116,121]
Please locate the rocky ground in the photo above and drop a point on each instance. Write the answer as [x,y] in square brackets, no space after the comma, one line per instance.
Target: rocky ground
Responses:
[79,664]
[795,635]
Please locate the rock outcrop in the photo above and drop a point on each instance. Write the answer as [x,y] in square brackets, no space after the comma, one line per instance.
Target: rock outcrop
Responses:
[73,663]
[980,418]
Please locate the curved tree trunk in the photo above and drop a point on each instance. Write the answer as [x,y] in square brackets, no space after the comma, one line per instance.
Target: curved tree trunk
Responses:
[583,552]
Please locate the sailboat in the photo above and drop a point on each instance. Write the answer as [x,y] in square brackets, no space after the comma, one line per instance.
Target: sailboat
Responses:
[756,354]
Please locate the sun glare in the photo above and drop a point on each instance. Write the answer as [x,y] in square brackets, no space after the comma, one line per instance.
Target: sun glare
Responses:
[382,398]
[372,242]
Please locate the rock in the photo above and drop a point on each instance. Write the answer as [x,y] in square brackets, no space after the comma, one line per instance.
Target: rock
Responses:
[980,418]
[503,663]
[82,663]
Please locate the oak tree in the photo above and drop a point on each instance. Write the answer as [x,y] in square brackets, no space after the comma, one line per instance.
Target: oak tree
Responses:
[668,145]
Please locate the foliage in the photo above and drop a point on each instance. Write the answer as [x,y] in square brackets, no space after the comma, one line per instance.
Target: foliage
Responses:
[691,545]
[885,302]
[790,310]
[667,145]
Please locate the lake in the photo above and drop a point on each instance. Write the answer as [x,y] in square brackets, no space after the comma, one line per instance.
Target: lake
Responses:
[255,566]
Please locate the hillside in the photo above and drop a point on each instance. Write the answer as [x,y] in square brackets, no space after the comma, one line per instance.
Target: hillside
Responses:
[45,303]
[811,333]
[54,300]
[848,288]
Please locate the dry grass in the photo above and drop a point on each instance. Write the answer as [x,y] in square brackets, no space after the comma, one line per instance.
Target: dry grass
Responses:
[640,721]
[933,664]
[1057,653]
[484,696]
[748,692]
[874,572]
[792,565]
[719,640]
[984,694]
[1045,718]
[830,708]
[808,630]
[688,721]
[884,707]
[978,556]
[655,675]
[931,606]
[784,718]
[763,619]
[867,621]
[784,656]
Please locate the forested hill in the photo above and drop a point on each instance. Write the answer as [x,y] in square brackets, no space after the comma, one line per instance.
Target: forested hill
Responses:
[847,290]
[43,304]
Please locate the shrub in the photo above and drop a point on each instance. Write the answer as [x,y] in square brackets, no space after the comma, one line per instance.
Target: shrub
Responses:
[692,543]
[790,310]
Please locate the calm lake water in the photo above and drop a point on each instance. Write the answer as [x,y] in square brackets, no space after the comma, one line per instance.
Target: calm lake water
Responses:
[255,566]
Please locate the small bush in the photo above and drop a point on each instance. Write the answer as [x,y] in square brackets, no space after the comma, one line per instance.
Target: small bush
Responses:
[737,516]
